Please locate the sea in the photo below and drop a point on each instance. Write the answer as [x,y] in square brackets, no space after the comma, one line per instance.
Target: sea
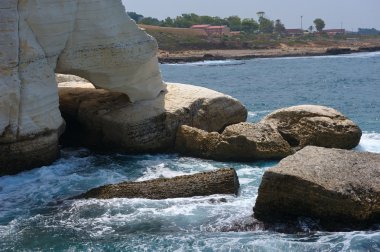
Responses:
[36,213]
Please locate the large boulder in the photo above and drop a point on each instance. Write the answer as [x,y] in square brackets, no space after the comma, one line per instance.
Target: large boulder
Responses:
[108,120]
[242,142]
[314,125]
[339,187]
[93,39]
[276,136]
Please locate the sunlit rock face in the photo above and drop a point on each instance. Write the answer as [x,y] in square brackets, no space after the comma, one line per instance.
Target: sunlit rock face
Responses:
[94,39]
[339,188]
[107,121]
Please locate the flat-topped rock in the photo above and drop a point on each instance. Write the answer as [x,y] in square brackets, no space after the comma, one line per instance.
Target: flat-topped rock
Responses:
[242,142]
[107,120]
[263,140]
[221,181]
[339,187]
[314,125]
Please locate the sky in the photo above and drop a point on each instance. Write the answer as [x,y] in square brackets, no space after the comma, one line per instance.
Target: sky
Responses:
[349,14]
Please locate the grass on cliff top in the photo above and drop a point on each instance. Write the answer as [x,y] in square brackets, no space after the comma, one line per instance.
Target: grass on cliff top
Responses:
[179,39]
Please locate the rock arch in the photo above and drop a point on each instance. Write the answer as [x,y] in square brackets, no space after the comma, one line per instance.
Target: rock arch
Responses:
[92,39]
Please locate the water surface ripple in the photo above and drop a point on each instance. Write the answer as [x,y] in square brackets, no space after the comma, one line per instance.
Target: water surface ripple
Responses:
[36,215]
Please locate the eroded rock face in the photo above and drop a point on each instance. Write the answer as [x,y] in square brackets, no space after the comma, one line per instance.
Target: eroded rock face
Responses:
[339,187]
[266,142]
[242,142]
[107,120]
[198,143]
[314,125]
[276,136]
[92,39]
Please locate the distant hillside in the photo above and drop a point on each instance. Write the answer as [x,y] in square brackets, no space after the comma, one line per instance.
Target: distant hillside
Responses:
[181,39]
[174,39]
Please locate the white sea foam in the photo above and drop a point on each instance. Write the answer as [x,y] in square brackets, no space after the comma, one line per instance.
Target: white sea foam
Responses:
[257,115]
[369,142]
[158,168]
[362,55]
[195,220]
[160,171]
[212,63]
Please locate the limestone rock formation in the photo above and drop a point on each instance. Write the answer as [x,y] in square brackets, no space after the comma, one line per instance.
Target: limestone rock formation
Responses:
[92,39]
[276,136]
[339,187]
[314,125]
[263,140]
[242,142]
[198,143]
[223,181]
[107,120]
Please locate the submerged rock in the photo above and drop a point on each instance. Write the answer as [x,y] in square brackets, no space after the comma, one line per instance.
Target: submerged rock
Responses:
[243,141]
[108,121]
[314,125]
[223,181]
[339,187]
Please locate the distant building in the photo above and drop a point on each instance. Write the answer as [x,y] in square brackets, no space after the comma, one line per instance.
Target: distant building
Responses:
[218,30]
[213,30]
[294,32]
[201,26]
[333,32]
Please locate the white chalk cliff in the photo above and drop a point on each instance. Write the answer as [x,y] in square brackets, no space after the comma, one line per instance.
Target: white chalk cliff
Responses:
[94,39]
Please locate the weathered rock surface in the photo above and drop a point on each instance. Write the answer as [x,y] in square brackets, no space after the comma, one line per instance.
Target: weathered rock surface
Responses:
[243,142]
[261,139]
[314,125]
[276,136]
[335,186]
[107,120]
[337,50]
[223,181]
[29,152]
[92,39]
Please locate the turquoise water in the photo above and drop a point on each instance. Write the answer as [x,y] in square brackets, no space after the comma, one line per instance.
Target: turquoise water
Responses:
[35,215]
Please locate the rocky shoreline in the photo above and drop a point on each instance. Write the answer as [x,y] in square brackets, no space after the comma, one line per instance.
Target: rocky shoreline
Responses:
[212,55]
[125,106]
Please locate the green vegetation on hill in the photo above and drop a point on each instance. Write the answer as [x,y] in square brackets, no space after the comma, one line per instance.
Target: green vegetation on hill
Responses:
[235,23]
[181,39]
[174,34]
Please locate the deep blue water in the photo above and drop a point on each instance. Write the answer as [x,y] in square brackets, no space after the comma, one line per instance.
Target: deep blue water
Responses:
[34,215]
[348,83]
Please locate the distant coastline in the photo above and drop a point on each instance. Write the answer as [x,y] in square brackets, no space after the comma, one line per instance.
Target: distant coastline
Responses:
[234,54]
[181,45]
